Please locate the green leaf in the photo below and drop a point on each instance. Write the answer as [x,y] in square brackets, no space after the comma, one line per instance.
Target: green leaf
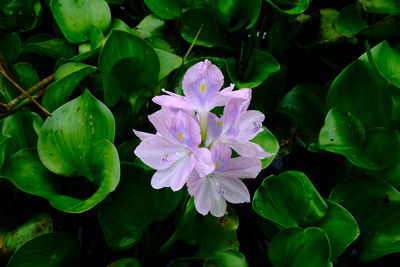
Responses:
[77,141]
[289,199]
[47,45]
[125,262]
[226,258]
[269,143]
[261,65]
[306,106]
[391,7]
[128,64]
[197,20]
[10,46]
[350,22]
[25,75]
[340,227]
[76,17]
[360,91]
[373,203]
[374,149]
[54,249]
[165,9]
[150,26]
[67,77]
[3,148]
[212,234]
[38,225]
[168,62]
[294,247]
[294,8]
[234,14]
[133,207]
[328,31]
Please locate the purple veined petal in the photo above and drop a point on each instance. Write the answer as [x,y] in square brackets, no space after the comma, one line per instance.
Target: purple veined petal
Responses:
[234,190]
[204,163]
[185,130]
[179,128]
[246,148]
[218,202]
[227,95]
[250,124]
[221,155]
[175,176]
[201,84]
[173,100]
[230,118]
[159,153]
[241,167]
[214,128]
[142,135]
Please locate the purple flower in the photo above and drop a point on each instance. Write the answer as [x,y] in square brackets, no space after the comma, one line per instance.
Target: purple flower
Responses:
[236,128]
[174,151]
[211,191]
[201,85]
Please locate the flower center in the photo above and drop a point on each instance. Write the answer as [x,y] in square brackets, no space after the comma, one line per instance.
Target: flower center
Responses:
[180,136]
[203,87]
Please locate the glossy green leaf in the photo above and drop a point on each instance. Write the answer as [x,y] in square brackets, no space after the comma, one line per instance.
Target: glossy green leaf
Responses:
[294,247]
[133,206]
[269,143]
[125,262]
[340,227]
[67,77]
[198,22]
[47,45]
[360,91]
[4,139]
[76,17]
[306,106]
[256,72]
[165,9]
[328,31]
[77,141]
[168,62]
[391,7]
[294,8]
[234,14]
[226,258]
[25,75]
[374,149]
[150,26]
[212,234]
[54,249]
[38,225]
[128,64]
[289,199]
[350,22]
[373,203]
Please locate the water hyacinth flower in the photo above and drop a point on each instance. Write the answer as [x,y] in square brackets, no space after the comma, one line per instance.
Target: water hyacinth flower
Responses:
[211,192]
[174,150]
[192,146]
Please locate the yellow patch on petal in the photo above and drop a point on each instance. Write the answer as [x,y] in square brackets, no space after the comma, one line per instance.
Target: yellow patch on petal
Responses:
[217,165]
[219,123]
[203,87]
[180,136]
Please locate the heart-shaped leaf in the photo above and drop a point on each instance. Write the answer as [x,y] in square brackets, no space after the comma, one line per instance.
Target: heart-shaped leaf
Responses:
[391,7]
[340,227]
[47,45]
[54,249]
[350,22]
[226,258]
[375,205]
[133,206]
[269,143]
[289,199]
[260,66]
[294,247]
[77,141]
[128,64]
[295,7]
[67,77]
[76,17]
[165,9]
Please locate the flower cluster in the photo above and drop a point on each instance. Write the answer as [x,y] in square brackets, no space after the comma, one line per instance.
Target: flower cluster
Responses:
[192,146]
